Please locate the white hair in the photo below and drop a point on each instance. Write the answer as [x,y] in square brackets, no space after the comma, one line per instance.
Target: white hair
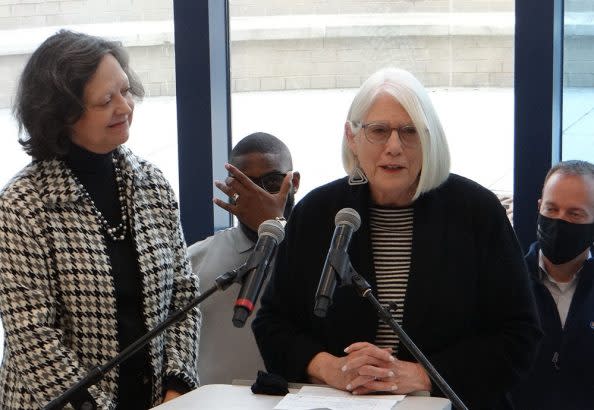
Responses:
[410,93]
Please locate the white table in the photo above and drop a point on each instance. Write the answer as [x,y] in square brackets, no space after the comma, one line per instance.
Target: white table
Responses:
[230,397]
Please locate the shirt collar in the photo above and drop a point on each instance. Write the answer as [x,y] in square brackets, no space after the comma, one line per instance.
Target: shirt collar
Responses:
[241,241]
[57,185]
[543,274]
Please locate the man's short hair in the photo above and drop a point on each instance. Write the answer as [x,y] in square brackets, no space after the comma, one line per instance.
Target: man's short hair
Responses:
[572,167]
[262,143]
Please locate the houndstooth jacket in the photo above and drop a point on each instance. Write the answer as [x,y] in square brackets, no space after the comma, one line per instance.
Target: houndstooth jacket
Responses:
[57,297]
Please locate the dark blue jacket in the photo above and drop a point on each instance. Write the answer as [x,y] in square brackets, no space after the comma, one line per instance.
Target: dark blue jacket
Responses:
[563,374]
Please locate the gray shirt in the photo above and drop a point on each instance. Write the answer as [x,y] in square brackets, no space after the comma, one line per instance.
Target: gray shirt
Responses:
[226,352]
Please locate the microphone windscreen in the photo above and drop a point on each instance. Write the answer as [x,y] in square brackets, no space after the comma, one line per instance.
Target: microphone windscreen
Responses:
[348,216]
[272,228]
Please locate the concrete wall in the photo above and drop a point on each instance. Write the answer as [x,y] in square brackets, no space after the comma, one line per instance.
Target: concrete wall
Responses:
[578,69]
[346,62]
[154,65]
[279,7]
[579,5]
[341,51]
[10,68]
[34,13]
[149,44]
[21,13]
[283,45]
[276,7]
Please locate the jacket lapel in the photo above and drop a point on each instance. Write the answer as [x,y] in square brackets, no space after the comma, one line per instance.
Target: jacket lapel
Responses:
[55,183]
[429,231]
[362,260]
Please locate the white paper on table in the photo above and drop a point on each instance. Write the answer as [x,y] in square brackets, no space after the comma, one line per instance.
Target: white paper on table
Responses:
[313,397]
[329,391]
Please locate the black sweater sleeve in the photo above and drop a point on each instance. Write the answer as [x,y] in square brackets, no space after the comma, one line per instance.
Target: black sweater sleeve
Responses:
[281,327]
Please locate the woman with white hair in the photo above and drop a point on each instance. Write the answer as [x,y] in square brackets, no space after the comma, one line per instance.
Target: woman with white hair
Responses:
[435,243]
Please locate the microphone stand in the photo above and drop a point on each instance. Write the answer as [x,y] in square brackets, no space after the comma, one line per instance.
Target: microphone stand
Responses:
[95,374]
[349,276]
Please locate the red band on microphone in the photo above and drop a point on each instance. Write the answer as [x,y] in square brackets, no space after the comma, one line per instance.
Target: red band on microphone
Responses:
[245,303]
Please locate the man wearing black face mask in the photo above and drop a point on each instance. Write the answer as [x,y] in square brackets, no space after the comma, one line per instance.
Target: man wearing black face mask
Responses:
[562,270]
[261,186]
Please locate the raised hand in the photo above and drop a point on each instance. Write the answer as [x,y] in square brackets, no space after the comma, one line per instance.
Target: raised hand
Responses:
[251,204]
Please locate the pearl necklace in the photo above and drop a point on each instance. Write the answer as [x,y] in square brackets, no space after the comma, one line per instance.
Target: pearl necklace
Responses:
[115,233]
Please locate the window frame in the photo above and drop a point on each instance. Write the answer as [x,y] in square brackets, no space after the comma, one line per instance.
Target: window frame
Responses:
[202,32]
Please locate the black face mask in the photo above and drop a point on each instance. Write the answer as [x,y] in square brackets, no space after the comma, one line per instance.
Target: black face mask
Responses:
[561,241]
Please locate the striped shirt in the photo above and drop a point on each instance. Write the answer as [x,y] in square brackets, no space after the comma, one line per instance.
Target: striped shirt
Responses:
[391,240]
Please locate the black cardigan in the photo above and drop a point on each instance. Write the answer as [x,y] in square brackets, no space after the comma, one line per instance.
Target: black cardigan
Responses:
[468,302]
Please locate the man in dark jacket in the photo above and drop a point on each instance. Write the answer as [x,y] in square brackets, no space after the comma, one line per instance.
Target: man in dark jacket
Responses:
[562,269]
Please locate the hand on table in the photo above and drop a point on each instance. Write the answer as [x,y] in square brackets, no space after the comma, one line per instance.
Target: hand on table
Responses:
[366,369]
[339,372]
[403,377]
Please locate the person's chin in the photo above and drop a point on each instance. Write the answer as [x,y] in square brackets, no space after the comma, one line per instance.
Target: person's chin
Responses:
[122,136]
[122,142]
[392,186]
[393,181]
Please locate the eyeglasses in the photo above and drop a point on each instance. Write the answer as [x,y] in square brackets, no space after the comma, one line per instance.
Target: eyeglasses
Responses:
[380,132]
[270,182]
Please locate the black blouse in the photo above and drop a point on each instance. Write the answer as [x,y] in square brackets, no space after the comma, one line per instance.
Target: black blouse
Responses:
[97,175]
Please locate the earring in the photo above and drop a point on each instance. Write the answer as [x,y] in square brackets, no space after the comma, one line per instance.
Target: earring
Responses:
[357,177]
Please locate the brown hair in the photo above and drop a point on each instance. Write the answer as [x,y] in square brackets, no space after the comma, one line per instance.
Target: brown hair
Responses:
[50,93]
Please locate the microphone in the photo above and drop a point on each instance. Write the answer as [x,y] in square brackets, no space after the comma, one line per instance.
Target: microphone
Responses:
[270,234]
[347,222]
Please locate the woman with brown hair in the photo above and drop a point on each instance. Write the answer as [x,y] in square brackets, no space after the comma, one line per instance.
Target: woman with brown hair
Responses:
[91,250]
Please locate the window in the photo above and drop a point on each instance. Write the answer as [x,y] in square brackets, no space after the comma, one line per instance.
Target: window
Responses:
[296,67]
[578,81]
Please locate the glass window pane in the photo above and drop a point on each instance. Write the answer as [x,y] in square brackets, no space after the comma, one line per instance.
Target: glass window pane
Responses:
[578,81]
[296,67]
